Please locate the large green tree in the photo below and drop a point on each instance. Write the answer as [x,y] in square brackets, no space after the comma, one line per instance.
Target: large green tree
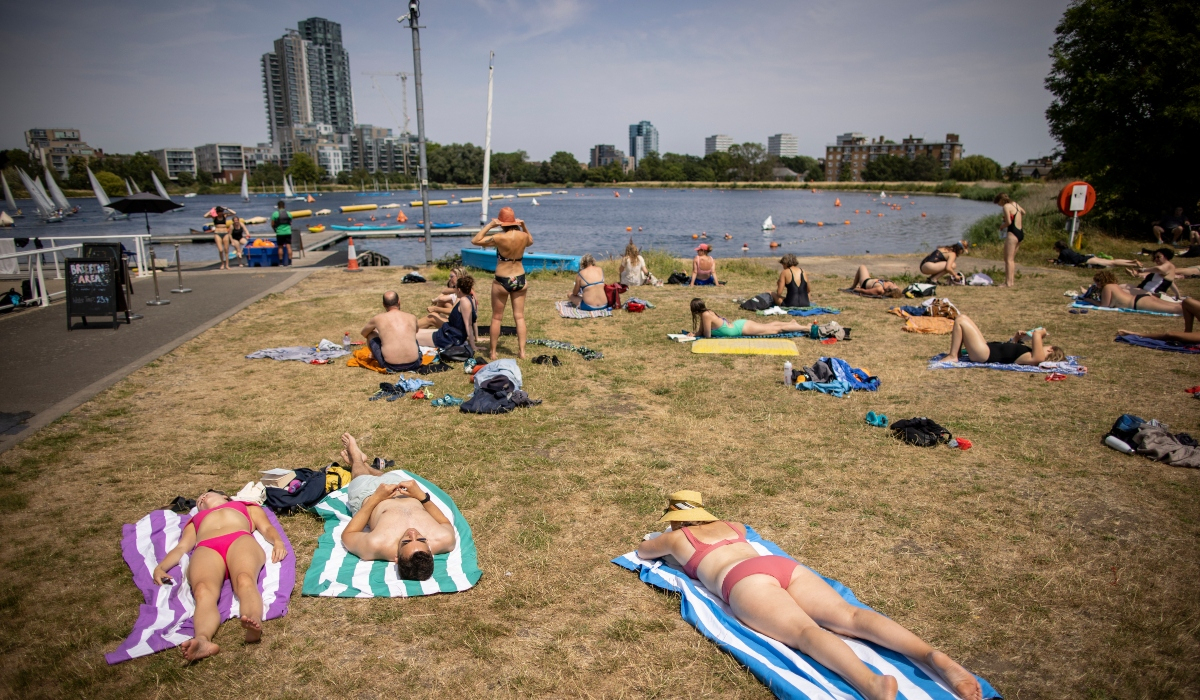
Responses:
[564,168]
[975,168]
[1126,83]
[304,169]
[113,185]
[455,163]
[266,175]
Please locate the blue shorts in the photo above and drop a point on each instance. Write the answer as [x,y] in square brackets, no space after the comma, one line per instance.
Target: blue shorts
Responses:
[706,282]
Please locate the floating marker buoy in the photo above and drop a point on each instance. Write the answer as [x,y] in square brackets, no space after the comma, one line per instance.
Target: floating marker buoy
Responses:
[628,228]
[820,223]
[922,213]
[879,214]
[695,236]
[868,211]
[837,202]
[847,222]
[774,244]
[800,221]
[855,211]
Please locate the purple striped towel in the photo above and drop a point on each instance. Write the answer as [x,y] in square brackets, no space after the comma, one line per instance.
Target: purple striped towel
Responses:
[165,620]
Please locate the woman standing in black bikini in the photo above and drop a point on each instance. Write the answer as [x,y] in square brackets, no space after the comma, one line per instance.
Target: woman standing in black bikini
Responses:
[1014,217]
[941,262]
[237,231]
[510,244]
[221,235]
[792,288]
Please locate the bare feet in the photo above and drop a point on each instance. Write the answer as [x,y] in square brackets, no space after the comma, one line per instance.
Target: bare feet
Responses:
[253,629]
[957,677]
[1125,332]
[883,687]
[492,357]
[198,648]
[352,454]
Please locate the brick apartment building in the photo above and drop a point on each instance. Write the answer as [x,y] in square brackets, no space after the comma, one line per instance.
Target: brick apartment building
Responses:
[854,149]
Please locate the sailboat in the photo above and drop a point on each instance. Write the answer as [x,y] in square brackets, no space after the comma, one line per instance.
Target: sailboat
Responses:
[46,209]
[102,197]
[288,192]
[768,225]
[245,189]
[882,195]
[56,194]
[162,191]
[136,189]
[9,201]
[128,188]
[535,202]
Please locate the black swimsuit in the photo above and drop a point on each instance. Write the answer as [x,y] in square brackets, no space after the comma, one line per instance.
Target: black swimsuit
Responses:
[1012,228]
[797,294]
[934,257]
[1006,353]
[864,285]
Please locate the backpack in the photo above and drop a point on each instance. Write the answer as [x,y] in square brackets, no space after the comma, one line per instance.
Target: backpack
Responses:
[460,352]
[634,307]
[336,477]
[1125,428]
[612,294]
[759,302]
[920,289]
[310,493]
[921,432]
[12,296]
[679,278]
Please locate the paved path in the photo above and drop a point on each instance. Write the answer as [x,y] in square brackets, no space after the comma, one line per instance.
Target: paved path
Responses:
[48,370]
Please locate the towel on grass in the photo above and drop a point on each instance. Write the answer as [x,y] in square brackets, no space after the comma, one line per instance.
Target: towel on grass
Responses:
[1168,345]
[1069,366]
[785,671]
[326,350]
[798,311]
[1096,307]
[337,573]
[936,325]
[566,310]
[165,619]
[745,346]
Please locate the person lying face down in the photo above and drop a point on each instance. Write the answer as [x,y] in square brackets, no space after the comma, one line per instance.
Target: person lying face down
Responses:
[393,519]
[785,601]
[707,324]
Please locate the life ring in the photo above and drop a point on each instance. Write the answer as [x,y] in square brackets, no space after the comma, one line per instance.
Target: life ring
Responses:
[1064,198]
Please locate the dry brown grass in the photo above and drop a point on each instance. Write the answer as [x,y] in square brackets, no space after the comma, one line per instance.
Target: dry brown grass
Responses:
[1042,560]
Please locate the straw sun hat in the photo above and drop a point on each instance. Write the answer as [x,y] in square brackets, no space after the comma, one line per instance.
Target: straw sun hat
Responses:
[507,218]
[686,506]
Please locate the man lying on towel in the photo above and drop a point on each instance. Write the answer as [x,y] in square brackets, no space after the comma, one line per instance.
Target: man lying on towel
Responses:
[392,336]
[393,519]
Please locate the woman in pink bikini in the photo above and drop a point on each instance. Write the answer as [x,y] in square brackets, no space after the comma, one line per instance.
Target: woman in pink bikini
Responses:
[221,540]
[783,600]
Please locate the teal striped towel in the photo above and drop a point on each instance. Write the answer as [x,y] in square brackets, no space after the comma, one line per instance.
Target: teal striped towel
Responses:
[337,573]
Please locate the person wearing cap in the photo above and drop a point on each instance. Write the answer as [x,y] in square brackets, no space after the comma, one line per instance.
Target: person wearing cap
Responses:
[788,602]
[510,243]
[704,267]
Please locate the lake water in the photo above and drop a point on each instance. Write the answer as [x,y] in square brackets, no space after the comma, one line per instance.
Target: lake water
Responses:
[593,221]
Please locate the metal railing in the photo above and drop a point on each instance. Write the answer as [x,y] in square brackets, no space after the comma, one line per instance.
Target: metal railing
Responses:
[141,242]
[36,277]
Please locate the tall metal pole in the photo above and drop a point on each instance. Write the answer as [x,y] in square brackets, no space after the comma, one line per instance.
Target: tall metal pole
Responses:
[487,145]
[414,14]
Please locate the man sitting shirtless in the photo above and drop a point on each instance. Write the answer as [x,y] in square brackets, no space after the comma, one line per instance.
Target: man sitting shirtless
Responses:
[392,336]
[393,518]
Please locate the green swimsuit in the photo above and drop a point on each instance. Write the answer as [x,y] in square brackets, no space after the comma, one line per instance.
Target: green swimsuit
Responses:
[729,330]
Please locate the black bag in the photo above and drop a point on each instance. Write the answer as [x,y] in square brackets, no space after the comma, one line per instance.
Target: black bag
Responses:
[459,352]
[921,432]
[1125,428]
[679,278]
[760,302]
[308,495]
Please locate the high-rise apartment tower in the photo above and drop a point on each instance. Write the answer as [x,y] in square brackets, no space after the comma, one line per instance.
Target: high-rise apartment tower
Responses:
[783,145]
[306,79]
[643,138]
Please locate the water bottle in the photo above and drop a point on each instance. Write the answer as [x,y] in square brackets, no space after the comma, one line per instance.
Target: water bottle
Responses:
[1118,444]
[787,372]
[346,341]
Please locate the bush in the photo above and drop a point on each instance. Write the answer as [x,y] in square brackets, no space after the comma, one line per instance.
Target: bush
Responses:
[987,194]
[975,168]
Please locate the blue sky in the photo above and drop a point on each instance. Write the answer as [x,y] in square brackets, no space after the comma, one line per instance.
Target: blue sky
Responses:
[570,74]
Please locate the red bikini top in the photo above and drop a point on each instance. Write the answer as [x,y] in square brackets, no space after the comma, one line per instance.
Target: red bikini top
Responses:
[236,505]
[702,549]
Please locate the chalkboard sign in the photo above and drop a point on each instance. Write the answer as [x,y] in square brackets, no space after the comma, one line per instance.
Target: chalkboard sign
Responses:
[114,252]
[92,288]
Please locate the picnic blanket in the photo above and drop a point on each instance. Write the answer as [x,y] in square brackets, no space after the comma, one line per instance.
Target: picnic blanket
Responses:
[337,573]
[744,346]
[785,671]
[566,310]
[1168,345]
[165,619]
[936,325]
[798,311]
[326,350]
[1069,366]
[1096,307]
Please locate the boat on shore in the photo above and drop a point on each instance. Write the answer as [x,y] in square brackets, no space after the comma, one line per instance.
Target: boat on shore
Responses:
[485,259]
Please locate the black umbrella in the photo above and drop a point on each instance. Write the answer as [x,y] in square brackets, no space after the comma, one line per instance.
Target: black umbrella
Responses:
[146,203]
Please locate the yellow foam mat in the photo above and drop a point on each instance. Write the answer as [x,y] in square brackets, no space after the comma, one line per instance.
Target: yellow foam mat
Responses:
[745,346]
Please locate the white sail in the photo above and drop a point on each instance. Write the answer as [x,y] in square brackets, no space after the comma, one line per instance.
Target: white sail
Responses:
[245,189]
[768,225]
[535,202]
[136,189]
[45,195]
[41,202]
[162,191]
[8,198]
[102,196]
[128,187]
[56,193]
[287,187]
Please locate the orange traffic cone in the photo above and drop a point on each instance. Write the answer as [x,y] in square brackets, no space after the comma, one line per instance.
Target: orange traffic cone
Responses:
[352,263]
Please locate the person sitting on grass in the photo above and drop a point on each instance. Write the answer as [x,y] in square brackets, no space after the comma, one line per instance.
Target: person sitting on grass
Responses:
[393,519]
[220,537]
[791,289]
[441,305]
[1190,309]
[940,263]
[459,327]
[967,337]
[392,336]
[1066,256]
[588,292]
[1175,224]
[704,267]
[869,286]
[707,324]
[1119,296]
[633,271]
[1160,278]
[788,602]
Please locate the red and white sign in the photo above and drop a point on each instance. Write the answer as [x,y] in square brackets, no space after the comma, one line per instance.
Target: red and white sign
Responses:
[1077,198]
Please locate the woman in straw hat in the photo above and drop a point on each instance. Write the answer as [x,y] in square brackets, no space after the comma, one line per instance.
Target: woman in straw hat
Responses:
[510,243]
[786,601]
[704,268]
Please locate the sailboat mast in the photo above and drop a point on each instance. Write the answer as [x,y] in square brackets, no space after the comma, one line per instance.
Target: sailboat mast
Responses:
[487,145]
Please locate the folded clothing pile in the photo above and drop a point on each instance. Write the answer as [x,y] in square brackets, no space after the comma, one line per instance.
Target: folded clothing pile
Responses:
[1154,440]
[835,376]
[498,389]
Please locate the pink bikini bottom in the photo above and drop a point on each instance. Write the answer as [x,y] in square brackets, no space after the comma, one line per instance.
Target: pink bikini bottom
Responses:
[221,546]
[781,568]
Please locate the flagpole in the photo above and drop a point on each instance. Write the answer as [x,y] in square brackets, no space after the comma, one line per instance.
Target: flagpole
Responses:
[422,169]
[487,145]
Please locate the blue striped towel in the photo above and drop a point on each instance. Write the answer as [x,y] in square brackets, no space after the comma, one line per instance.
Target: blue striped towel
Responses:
[1069,366]
[786,672]
[1097,307]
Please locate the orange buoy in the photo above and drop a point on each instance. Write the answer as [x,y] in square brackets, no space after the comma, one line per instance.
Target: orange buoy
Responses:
[774,244]
[922,213]
[820,223]
[695,236]
[855,211]
[868,211]
[800,221]
[628,228]
[847,222]
[837,202]
[879,214]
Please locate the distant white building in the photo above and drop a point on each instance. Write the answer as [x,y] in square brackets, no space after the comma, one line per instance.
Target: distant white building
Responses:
[783,146]
[717,142]
[225,161]
[329,157]
[176,160]
[643,139]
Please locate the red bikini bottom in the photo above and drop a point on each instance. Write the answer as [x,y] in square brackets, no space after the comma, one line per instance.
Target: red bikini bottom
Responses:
[781,568]
[221,546]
